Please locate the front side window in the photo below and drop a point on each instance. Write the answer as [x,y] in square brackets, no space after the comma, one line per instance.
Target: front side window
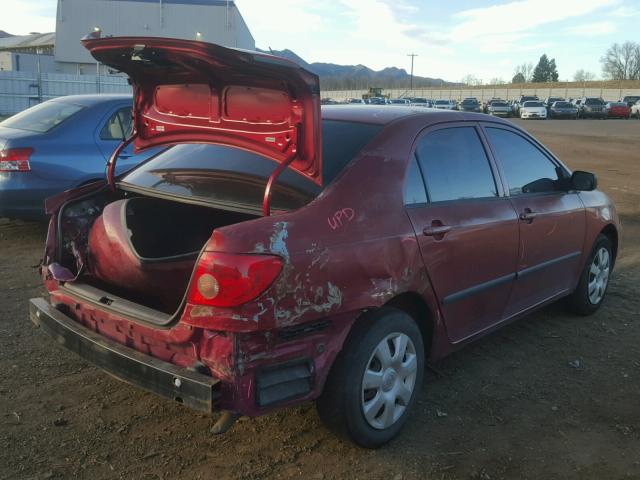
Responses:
[455,165]
[526,168]
[119,125]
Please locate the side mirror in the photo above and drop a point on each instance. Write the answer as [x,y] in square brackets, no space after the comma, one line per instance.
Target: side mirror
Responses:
[583,181]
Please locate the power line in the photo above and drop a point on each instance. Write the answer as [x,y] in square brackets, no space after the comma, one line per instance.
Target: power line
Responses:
[412,55]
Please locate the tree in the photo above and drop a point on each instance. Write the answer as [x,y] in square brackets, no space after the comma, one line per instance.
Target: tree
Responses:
[545,71]
[583,76]
[471,80]
[497,81]
[622,61]
[553,71]
[518,78]
[523,73]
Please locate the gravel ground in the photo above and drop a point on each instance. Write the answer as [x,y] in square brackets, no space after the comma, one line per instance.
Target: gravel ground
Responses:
[551,396]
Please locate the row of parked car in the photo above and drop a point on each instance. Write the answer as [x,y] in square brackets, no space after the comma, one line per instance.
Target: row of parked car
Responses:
[527,106]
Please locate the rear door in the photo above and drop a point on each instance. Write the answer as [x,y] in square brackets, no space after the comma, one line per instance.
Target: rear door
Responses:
[551,221]
[466,228]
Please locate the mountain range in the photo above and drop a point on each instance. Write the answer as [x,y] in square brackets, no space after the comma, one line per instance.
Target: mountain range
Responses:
[345,77]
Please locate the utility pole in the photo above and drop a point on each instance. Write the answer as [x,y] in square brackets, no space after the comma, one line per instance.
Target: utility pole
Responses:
[412,55]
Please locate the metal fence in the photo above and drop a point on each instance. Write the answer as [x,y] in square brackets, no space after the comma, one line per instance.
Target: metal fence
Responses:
[21,90]
[506,93]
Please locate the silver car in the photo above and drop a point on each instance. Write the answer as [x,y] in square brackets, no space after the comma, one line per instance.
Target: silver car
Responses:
[499,109]
[443,104]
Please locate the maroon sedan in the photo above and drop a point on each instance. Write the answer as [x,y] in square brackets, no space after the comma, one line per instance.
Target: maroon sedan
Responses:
[277,253]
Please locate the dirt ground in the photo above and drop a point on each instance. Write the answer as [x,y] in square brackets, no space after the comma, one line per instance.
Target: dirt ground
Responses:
[552,396]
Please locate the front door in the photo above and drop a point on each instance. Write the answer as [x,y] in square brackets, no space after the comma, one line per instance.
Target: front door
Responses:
[552,221]
[467,229]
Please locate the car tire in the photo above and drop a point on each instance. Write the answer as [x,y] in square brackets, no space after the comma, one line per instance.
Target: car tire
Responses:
[343,404]
[594,279]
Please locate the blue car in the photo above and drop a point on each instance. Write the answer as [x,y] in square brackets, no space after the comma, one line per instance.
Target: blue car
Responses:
[61,144]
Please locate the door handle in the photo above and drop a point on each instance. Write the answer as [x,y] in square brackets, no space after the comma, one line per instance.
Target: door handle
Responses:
[436,230]
[528,215]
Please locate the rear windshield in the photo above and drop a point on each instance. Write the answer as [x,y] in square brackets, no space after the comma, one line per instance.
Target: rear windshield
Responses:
[499,104]
[532,104]
[594,101]
[230,175]
[442,102]
[562,105]
[524,99]
[618,104]
[469,101]
[43,117]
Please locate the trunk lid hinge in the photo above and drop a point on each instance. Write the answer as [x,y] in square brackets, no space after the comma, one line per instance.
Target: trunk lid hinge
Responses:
[266,201]
[111,164]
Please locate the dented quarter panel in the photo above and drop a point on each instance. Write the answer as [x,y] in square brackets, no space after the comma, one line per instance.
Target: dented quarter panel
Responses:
[351,249]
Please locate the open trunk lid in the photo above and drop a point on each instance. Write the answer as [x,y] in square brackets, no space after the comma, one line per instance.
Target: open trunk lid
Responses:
[195,92]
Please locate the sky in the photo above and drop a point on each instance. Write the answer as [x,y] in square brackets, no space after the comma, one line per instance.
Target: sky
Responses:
[454,38]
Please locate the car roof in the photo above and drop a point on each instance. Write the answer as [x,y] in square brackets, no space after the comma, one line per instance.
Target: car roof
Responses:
[387,114]
[94,99]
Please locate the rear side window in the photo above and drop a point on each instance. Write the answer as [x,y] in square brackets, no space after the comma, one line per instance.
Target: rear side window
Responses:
[341,142]
[42,118]
[119,125]
[526,168]
[455,165]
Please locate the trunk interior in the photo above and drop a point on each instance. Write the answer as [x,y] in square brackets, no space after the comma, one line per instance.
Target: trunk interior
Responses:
[160,229]
[139,252]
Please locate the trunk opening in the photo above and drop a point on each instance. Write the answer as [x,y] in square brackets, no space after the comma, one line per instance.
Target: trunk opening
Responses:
[161,229]
[139,252]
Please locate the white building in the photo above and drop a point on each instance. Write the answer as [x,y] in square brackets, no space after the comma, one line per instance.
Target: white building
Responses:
[214,21]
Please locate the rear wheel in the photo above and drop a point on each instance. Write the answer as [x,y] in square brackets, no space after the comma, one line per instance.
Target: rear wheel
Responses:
[594,280]
[374,381]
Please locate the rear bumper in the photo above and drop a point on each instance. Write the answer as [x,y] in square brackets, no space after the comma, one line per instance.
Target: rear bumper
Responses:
[593,114]
[195,390]
[563,114]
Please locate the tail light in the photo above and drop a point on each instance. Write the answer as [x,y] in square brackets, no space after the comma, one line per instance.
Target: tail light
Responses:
[15,160]
[229,280]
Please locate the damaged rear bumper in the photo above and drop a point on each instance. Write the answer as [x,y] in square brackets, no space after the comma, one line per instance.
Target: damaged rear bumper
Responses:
[195,390]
